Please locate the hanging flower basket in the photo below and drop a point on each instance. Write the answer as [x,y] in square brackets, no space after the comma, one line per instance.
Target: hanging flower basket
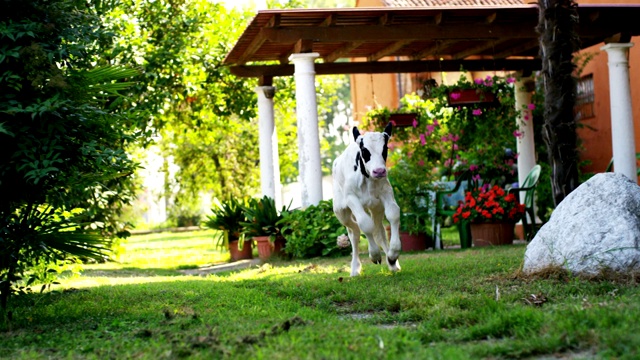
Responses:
[404,120]
[466,97]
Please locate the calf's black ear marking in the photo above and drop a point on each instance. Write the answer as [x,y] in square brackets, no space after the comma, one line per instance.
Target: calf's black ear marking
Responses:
[388,129]
[384,152]
[355,167]
[356,133]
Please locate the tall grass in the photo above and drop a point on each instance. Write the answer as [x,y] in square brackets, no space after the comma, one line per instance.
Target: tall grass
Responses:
[451,304]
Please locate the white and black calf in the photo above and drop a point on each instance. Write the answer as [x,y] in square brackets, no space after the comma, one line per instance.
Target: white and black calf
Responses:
[362,195]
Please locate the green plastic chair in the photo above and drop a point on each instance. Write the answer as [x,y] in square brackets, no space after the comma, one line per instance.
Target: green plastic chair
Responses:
[442,212]
[529,187]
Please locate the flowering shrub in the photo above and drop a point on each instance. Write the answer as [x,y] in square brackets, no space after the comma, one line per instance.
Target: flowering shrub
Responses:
[489,204]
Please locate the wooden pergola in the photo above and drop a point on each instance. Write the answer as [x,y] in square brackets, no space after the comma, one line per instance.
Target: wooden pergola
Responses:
[419,39]
[424,39]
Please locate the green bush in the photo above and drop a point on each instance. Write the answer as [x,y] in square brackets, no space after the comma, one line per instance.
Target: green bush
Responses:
[313,232]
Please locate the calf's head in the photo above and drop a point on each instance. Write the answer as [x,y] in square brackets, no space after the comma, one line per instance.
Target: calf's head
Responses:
[372,155]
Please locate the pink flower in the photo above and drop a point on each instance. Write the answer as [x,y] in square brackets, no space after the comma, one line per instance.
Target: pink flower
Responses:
[415,123]
[477,112]
[531,106]
[473,167]
[448,162]
[455,146]
[455,95]
[511,80]
[435,122]
[476,177]
[478,81]
[421,163]
[430,128]
[454,138]
[423,140]
[518,134]
[526,117]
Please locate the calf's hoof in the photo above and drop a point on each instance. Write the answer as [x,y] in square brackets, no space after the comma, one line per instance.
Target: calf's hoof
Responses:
[394,264]
[376,258]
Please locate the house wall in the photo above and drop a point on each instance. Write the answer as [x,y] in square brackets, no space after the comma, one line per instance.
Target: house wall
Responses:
[595,135]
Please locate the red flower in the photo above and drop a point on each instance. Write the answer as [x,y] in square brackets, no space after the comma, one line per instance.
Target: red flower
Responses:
[489,205]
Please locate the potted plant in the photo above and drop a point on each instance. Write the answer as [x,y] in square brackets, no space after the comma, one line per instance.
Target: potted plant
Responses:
[492,212]
[411,184]
[262,225]
[228,217]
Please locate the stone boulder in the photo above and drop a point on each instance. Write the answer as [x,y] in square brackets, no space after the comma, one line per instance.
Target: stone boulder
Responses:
[596,228]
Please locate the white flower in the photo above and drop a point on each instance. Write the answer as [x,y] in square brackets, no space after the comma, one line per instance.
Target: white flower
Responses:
[343,241]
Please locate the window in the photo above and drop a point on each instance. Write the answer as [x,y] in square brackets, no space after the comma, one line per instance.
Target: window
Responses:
[584,98]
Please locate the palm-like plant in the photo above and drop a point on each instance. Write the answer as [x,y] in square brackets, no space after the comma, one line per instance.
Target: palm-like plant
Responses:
[42,233]
[558,42]
[227,217]
[262,217]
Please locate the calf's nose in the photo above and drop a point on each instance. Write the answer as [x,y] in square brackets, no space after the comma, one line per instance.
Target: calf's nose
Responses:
[380,172]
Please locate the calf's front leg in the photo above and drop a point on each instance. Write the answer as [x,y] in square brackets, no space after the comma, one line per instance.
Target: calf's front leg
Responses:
[367,226]
[392,213]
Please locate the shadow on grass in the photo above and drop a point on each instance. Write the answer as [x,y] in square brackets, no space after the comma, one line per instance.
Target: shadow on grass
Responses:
[133,272]
[170,236]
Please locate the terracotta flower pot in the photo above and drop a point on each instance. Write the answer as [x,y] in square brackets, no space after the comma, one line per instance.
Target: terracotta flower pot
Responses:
[487,234]
[266,248]
[237,254]
[413,242]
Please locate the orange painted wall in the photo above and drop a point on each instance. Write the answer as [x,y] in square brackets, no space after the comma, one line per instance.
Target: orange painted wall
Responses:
[597,143]
[596,135]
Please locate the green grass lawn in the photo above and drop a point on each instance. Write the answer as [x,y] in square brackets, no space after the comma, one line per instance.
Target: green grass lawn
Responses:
[450,304]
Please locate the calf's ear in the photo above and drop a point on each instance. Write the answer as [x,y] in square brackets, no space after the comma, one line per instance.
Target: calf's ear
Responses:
[356,133]
[387,129]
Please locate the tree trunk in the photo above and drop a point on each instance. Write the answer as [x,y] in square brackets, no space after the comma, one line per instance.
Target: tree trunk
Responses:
[558,41]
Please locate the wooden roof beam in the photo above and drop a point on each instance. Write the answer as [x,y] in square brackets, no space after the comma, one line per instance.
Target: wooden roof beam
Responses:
[342,52]
[397,32]
[301,46]
[435,49]
[388,50]
[474,50]
[489,19]
[330,20]
[391,67]
[528,45]
[251,49]
[259,40]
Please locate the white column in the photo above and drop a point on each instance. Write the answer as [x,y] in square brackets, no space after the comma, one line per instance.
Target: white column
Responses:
[622,133]
[269,164]
[525,143]
[308,140]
